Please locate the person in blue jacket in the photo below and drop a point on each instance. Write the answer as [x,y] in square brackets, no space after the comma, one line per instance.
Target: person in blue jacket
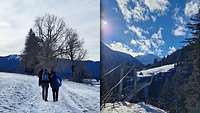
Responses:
[44,82]
[55,83]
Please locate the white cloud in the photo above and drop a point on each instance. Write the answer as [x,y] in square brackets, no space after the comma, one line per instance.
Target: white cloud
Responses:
[126,32]
[118,46]
[157,5]
[192,7]
[4,24]
[179,29]
[133,42]
[157,39]
[123,5]
[138,31]
[149,45]
[171,50]
[115,9]
[139,12]
[153,18]
[135,10]
[20,15]
[144,45]
[158,52]
[181,20]
[143,10]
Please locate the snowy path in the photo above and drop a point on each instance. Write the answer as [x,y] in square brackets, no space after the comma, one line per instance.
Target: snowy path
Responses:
[21,94]
[131,108]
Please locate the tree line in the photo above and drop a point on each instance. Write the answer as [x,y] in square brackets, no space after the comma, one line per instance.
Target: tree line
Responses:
[181,94]
[49,40]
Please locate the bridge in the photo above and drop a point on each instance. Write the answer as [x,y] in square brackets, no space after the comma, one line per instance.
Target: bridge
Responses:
[121,84]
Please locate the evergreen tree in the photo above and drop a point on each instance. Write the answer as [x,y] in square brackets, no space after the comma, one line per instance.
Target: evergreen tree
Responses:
[155,60]
[29,56]
[192,89]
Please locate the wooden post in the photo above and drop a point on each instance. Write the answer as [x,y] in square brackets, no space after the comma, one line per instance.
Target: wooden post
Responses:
[121,84]
[135,82]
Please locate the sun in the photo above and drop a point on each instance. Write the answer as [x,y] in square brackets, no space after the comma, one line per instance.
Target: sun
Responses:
[105,27]
[104,22]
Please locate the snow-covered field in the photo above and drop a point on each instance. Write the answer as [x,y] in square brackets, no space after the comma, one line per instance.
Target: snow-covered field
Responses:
[131,108]
[21,94]
[154,71]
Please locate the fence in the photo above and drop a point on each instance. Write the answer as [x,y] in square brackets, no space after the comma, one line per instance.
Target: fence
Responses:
[120,84]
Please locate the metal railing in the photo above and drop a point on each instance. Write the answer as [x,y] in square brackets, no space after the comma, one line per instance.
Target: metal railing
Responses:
[118,91]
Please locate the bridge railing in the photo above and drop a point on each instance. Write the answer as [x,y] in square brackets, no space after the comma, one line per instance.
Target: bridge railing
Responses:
[114,88]
[120,84]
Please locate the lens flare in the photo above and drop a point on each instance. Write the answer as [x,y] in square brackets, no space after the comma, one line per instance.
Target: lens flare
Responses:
[105,28]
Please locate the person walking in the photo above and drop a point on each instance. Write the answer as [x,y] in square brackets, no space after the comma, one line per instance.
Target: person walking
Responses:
[40,77]
[45,84]
[55,83]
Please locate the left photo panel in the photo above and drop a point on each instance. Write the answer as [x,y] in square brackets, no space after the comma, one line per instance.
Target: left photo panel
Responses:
[50,56]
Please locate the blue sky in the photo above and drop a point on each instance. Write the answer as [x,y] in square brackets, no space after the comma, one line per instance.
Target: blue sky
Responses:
[18,16]
[139,27]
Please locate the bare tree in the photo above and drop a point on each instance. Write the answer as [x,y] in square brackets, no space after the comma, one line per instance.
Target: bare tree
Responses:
[51,31]
[74,50]
[56,40]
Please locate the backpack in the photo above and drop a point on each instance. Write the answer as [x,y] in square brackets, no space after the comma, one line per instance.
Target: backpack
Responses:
[58,80]
[45,76]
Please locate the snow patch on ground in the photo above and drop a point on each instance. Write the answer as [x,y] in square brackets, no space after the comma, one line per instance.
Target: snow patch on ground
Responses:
[131,108]
[21,94]
[154,71]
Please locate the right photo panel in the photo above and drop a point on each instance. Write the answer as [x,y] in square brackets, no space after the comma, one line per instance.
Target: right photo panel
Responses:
[150,56]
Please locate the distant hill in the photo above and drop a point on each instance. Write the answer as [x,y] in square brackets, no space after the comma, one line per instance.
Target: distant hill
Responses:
[13,64]
[147,59]
[111,58]
[177,56]
[92,68]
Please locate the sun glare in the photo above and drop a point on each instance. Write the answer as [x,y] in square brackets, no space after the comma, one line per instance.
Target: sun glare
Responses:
[106,27]
[104,22]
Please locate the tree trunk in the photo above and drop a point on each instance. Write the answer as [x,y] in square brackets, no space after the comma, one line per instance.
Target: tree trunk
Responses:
[73,74]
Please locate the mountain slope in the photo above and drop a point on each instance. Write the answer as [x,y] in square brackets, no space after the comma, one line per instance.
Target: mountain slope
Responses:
[13,64]
[180,55]
[147,59]
[92,68]
[21,94]
[110,58]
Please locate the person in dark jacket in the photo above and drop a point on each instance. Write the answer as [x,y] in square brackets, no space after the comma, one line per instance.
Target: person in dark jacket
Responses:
[44,82]
[40,77]
[55,83]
